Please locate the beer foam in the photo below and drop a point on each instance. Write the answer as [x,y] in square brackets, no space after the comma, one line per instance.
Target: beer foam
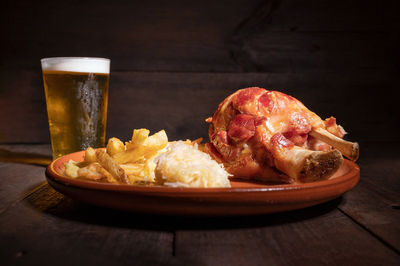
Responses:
[77,64]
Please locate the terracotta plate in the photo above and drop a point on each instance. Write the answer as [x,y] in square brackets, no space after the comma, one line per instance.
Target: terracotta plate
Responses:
[243,198]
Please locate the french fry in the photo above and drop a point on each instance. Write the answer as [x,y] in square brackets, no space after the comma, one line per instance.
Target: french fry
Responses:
[158,140]
[90,155]
[150,145]
[133,169]
[131,163]
[112,167]
[139,136]
[109,177]
[114,146]
[130,156]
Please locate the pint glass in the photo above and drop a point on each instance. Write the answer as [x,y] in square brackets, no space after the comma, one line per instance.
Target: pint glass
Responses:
[76,90]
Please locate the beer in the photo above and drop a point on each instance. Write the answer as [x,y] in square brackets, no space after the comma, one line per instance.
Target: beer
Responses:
[76,92]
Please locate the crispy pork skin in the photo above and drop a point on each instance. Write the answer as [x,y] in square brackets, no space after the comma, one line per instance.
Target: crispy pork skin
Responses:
[268,135]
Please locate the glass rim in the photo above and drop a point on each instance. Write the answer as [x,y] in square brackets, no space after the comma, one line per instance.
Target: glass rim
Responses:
[74,58]
[76,64]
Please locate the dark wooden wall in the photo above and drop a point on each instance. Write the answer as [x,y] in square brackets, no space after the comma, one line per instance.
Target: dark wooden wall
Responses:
[174,61]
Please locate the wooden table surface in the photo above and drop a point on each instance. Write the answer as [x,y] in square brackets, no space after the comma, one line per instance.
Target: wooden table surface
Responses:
[171,64]
[39,224]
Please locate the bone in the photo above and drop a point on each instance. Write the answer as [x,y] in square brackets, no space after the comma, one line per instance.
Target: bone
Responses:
[347,148]
[307,166]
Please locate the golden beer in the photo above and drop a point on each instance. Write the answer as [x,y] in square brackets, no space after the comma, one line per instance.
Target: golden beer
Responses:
[76,100]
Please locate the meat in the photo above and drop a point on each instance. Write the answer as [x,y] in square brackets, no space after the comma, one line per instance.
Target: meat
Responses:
[268,135]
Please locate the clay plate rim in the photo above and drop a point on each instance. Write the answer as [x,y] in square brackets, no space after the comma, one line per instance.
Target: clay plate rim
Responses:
[348,173]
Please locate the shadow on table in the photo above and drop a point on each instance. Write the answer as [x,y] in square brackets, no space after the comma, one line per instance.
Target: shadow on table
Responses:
[53,203]
[24,158]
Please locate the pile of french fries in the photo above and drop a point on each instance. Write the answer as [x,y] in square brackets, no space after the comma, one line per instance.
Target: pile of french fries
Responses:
[129,163]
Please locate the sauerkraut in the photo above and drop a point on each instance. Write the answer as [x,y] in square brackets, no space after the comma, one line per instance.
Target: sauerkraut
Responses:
[183,165]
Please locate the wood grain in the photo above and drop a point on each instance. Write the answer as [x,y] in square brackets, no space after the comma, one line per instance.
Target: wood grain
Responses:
[310,51]
[361,226]
[20,174]
[179,102]
[374,203]
[171,65]
[318,235]
[37,222]
[205,36]
[136,35]
[339,58]
[50,226]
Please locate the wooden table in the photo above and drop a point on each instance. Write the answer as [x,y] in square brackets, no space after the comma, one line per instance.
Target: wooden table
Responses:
[41,226]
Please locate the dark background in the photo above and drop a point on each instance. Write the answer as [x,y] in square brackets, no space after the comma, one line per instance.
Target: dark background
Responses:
[172,62]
